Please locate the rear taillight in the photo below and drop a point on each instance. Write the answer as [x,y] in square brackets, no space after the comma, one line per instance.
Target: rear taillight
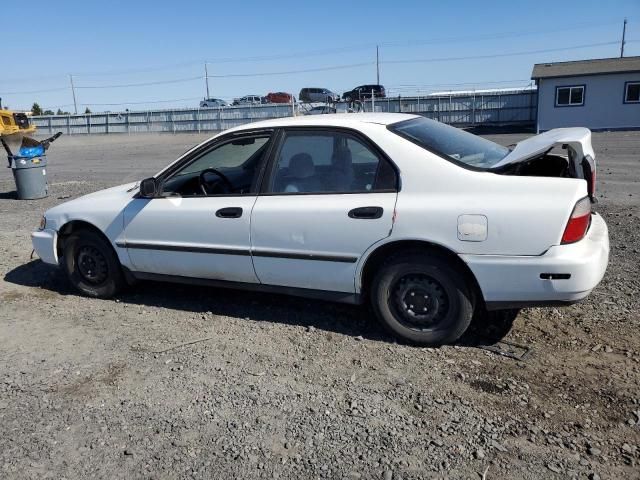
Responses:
[578,223]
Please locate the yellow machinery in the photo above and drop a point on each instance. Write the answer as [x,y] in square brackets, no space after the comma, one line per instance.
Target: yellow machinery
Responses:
[14,124]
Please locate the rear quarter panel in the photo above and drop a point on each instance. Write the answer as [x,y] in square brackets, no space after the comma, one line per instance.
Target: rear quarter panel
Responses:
[526,215]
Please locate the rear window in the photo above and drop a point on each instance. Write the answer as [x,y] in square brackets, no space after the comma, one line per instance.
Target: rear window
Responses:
[451,143]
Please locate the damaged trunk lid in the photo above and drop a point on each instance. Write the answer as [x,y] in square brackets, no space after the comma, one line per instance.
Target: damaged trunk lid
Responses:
[534,157]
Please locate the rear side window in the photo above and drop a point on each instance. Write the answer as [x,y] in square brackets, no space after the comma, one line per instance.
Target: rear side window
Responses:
[451,143]
[329,162]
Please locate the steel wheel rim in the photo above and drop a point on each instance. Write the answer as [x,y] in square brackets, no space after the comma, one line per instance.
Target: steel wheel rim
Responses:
[92,265]
[420,301]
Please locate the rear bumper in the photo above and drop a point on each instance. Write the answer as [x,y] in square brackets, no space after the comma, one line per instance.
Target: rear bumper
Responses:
[44,243]
[575,270]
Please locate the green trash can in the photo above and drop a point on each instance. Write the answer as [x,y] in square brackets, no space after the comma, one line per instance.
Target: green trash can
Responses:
[30,175]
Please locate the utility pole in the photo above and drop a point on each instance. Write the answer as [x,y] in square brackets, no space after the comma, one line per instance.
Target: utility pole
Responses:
[624,31]
[378,64]
[73,92]
[206,79]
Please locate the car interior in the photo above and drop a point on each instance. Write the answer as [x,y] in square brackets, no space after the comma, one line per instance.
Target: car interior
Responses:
[306,163]
[324,164]
[220,172]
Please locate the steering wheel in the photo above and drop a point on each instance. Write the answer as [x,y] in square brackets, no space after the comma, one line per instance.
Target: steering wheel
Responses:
[228,186]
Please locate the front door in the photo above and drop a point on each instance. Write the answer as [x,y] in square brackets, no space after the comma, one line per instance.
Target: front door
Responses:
[200,225]
[329,195]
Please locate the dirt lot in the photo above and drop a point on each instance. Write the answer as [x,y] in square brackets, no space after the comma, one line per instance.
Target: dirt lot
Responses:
[291,388]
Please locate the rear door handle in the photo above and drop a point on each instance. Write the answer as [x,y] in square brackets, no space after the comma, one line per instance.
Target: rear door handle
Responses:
[366,212]
[229,212]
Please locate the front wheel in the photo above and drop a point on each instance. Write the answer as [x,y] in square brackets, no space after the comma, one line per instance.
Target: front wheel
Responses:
[422,298]
[91,265]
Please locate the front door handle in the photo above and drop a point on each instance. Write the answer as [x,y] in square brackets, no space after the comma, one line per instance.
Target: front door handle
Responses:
[229,212]
[366,212]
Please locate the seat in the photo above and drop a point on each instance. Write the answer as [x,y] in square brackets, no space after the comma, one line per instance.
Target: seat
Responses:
[301,176]
[341,170]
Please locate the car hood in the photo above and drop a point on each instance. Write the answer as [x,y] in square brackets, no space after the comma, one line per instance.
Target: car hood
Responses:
[127,190]
[111,199]
[578,138]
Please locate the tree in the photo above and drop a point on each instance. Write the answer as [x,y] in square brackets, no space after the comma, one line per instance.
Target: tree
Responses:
[35,109]
[87,110]
[48,112]
[60,112]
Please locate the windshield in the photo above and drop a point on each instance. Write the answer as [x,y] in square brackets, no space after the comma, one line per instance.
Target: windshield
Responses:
[451,142]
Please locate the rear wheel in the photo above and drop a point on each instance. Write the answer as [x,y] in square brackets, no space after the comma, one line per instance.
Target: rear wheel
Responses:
[422,299]
[91,264]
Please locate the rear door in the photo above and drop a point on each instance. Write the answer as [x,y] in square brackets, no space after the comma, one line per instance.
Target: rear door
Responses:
[327,197]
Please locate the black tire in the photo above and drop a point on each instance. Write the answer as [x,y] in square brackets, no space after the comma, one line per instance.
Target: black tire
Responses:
[422,299]
[91,265]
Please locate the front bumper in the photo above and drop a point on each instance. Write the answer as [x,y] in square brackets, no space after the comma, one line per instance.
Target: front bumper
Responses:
[515,281]
[44,243]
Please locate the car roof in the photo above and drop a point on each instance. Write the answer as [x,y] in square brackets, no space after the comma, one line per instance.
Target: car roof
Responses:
[329,120]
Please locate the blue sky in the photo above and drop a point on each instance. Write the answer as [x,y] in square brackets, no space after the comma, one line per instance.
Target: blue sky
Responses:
[112,46]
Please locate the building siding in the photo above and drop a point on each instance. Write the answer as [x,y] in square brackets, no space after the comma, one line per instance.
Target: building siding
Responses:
[603,103]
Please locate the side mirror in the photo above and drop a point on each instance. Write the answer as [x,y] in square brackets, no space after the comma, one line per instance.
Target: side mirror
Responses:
[148,187]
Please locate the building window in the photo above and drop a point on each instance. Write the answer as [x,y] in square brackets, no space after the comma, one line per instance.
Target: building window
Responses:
[572,96]
[632,92]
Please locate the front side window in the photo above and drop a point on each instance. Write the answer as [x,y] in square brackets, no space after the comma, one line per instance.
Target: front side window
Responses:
[228,168]
[450,142]
[632,92]
[329,162]
[570,96]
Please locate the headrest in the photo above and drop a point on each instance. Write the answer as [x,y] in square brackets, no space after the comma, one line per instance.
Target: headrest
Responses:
[301,166]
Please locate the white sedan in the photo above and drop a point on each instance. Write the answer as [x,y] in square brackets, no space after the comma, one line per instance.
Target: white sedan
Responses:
[426,222]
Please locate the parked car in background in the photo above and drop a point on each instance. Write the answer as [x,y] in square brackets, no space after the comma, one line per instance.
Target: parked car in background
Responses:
[280,97]
[248,100]
[363,92]
[311,95]
[321,109]
[213,103]
[428,223]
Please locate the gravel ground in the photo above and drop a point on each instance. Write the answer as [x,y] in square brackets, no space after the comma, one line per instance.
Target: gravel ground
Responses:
[278,387]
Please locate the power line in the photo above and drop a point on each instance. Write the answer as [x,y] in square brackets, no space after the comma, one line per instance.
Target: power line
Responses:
[229,75]
[497,55]
[499,35]
[36,91]
[143,84]
[140,103]
[367,46]
[326,68]
[290,72]
[140,70]
[329,51]
[423,85]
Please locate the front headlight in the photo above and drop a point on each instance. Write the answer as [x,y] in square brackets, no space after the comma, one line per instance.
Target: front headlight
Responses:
[43,222]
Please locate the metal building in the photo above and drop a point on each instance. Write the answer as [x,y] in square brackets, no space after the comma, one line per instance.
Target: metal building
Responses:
[601,94]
